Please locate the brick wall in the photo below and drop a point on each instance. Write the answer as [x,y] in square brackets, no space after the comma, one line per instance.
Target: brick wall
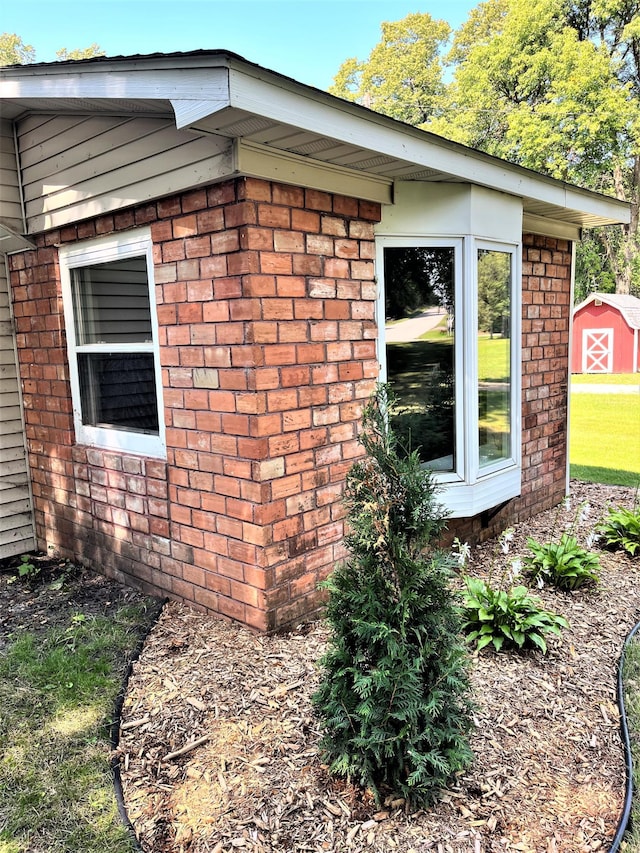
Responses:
[266,304]
[546,319]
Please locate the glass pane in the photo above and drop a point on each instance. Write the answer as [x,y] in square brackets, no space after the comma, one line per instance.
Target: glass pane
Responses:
[494,355]
[118,390]
[111,302]
[419,330]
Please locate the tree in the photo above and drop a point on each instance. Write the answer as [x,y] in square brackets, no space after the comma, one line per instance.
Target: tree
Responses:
[80,53]
[394,693]
[494,285]
[421,277]
[403,76]
[13,51]
[555,86]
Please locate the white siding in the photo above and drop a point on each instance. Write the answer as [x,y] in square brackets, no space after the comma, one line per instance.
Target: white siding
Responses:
[10,208]
[75,167]
[16,516]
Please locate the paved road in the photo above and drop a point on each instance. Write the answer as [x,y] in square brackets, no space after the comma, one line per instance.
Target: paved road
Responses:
[411,329]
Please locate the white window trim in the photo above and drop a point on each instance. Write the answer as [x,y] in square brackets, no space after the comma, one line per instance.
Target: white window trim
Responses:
[102,250]
[469,490]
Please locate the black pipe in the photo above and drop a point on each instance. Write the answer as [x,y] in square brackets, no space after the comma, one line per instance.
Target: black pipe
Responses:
[626,742]
[115,730]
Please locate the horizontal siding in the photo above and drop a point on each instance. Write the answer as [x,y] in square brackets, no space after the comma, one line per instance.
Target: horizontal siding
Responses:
[16,517]
[10,207]
[79,167]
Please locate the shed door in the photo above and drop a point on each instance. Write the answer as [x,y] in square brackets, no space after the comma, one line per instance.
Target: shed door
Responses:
[16,515]
[597,350]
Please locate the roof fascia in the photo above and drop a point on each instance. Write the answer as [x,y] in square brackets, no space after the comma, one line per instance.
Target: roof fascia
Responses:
[11,241]
[262,161]
[118,82]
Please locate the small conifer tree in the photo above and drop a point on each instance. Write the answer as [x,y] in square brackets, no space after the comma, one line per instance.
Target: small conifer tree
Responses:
[394,693]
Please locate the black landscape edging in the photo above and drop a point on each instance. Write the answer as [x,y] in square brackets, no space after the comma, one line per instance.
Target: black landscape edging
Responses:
[628,758]
[115,730]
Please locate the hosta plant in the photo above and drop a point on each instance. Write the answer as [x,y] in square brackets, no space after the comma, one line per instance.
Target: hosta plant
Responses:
[393,699]
[621,529]
[564,564]
[507,618]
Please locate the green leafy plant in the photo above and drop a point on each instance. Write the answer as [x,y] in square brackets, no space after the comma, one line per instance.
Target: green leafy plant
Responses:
[503,615]
[394,692]
[564,564]
[27,569]
[507,618]
[621,529]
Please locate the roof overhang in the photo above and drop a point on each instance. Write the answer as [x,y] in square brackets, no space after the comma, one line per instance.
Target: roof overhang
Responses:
[220,93]
[11,241]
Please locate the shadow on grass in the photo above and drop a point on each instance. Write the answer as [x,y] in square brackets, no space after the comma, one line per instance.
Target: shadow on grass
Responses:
[608,476]
[57,694]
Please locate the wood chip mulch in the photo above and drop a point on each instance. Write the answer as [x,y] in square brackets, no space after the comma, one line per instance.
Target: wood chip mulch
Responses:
[219,741]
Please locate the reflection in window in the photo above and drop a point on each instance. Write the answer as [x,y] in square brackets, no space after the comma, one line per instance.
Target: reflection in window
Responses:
[112,321]
[419,333]
[494,356]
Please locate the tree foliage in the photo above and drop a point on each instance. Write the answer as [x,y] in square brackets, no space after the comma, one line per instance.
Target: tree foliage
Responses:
[80,53]
[13,51]
[393,698]
[552,85]
[403,76]
[494,289]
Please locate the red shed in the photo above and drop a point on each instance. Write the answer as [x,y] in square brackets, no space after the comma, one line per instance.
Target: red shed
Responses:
[606,334]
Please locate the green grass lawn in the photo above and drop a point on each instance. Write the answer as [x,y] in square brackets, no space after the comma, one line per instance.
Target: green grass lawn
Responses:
[57,693]
[493,359]
[605,438]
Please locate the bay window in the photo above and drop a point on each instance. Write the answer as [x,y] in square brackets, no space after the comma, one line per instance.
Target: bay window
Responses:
[449,348]
[112,343]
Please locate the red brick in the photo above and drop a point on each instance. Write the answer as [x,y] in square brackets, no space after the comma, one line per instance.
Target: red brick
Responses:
[274,216]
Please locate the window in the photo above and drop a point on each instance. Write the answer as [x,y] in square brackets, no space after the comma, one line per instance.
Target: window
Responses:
[112,341]
[494,356]
[420,348]
[450,351]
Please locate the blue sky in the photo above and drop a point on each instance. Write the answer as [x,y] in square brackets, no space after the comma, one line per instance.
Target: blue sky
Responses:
[304,39]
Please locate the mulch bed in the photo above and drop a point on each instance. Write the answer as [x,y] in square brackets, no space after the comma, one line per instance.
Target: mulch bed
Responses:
[219,742]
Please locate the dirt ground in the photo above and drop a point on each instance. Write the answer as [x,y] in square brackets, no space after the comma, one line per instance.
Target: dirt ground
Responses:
[36,605]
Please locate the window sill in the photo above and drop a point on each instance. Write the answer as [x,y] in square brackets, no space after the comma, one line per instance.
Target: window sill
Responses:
[464,500]
[119,441]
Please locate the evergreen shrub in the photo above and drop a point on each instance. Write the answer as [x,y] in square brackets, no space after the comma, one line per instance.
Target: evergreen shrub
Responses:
[394,693]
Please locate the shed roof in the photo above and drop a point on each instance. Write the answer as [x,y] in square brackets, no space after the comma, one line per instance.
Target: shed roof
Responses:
[218,92]
[627,305]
